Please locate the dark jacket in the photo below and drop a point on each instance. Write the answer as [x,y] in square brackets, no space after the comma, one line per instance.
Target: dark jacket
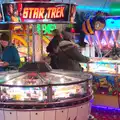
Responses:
[69,57]
[54,43]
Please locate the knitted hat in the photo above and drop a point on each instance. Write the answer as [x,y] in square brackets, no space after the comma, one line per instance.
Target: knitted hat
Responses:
[4,37]
[67,36]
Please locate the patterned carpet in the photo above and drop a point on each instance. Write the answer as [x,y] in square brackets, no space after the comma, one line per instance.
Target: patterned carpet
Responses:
[103,113]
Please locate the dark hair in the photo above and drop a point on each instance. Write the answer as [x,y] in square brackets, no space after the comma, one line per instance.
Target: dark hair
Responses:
[4,37]
[54,43]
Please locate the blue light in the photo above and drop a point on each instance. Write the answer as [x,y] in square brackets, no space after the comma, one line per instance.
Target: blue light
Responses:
[105,108]
[91,8]
[112,23]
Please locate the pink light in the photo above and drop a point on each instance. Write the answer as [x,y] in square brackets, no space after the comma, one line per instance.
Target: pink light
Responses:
[90,40]
[106,38]
[114,37]
[99,43]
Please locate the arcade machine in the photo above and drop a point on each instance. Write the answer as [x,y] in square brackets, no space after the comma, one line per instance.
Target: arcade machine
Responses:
[106,68]
[19,38]
[37,92]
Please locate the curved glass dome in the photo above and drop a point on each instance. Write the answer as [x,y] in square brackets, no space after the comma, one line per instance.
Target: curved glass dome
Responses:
[42,79]
[54,86]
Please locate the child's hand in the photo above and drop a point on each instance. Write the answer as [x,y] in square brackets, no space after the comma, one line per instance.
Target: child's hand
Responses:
[4,64]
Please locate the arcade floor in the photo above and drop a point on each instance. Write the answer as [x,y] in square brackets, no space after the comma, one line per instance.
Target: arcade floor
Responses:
[105,113]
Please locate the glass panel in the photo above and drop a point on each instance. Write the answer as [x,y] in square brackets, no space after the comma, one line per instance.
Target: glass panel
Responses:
[65,77]
[25,79]
[10,94]
[70,91]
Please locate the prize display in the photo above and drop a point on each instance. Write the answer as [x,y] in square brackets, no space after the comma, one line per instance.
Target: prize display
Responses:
[35,87]
[56,94]
[106,81]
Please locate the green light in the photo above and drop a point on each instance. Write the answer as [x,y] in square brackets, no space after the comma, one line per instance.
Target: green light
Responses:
[46,28]
[70,25]
[115,8]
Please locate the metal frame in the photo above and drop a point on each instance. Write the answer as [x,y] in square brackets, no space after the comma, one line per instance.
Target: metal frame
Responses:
[38,2]
[46,106]
[63,84]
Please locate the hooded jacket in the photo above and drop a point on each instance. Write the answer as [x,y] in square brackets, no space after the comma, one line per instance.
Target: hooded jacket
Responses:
[69,57]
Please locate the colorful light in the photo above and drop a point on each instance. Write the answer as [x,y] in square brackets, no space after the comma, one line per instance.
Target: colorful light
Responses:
[92,8]
[39,13]
[105,113]
[112,23]
[46,28]
[115,8]
[105,107]
[72,30]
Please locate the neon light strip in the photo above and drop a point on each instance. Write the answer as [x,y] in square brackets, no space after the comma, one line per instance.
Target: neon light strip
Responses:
[91,8]
[114,37]
[99,43]
[106,38]
[105,107]
[112,23]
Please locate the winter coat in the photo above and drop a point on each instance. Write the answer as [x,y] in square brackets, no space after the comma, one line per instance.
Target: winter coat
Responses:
[69,57]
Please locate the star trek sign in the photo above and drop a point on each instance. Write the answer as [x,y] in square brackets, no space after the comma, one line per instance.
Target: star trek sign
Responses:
[38,12]
[43,13]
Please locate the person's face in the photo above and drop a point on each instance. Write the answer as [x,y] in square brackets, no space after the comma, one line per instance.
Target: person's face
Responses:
[4,43]
[99,25]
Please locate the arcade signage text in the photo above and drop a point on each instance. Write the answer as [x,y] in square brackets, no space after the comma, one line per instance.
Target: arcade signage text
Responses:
[43,13]
[36,12]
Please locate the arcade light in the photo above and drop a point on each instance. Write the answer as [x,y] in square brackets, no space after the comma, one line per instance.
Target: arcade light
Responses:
[46,28]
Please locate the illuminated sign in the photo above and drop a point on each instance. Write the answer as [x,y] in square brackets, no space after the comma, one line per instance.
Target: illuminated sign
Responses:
[46,28]
[38,12]
[112,23]
[42,13]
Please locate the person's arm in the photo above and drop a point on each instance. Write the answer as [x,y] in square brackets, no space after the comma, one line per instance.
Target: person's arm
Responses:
[76,55]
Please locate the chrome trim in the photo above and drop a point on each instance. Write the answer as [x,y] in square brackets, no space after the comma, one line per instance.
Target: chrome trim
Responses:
[57,108]
[46,109]
[47,2]
[57,84]
[39,22]
[50,103]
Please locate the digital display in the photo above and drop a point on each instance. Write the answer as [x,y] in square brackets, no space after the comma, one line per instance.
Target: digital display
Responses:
[38,12]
